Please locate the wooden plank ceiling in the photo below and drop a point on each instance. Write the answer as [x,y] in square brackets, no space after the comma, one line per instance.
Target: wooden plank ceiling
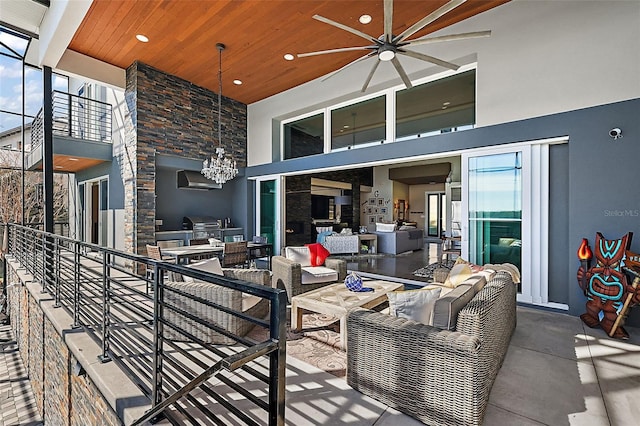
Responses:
[257,33]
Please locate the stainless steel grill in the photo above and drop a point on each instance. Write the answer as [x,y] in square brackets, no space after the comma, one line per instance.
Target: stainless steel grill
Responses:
[202,226]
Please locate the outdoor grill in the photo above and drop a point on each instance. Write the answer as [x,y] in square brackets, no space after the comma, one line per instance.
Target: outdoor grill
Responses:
[203,226]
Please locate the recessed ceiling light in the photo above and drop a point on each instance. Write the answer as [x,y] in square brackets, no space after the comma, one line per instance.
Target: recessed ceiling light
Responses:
[73,159]
[142,38]
[346,126]
[446,103]
[365,19]
[289,57]
[237,82]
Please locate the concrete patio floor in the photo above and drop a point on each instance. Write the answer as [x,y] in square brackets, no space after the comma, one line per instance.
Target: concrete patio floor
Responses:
[557,372]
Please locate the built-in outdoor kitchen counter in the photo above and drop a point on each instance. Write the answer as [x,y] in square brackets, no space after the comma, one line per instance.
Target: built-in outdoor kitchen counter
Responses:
[199,228]
[223,234]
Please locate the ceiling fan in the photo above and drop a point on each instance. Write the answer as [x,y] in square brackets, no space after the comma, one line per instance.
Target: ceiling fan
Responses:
[388,46]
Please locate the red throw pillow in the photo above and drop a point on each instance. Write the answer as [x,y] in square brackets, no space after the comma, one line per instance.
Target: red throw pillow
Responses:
[318,254]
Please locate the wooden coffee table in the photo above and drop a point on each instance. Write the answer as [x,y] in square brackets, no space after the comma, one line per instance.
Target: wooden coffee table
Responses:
[337,300]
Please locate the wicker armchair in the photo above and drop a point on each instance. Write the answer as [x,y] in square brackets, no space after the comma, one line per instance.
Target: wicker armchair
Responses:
[287,275]
[438,376]
[235,300]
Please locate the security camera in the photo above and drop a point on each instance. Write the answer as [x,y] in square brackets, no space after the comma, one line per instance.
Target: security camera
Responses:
[615,133]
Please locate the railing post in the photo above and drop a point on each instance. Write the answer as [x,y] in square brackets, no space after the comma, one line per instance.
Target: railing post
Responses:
[106,309]
[158,300]
[56,273]
[70,112]
[278,360]
[43,278]
[76,285]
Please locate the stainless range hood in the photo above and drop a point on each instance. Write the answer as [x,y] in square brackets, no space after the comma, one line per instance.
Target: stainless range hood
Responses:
[191,179]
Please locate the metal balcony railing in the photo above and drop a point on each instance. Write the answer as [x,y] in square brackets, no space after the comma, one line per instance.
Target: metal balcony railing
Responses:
[187,380]
[75,117]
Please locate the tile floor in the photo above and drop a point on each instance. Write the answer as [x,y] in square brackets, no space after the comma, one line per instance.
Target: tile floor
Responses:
[556,372]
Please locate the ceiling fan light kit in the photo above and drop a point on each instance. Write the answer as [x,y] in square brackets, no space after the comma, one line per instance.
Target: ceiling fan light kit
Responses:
[386,53]
[388,46]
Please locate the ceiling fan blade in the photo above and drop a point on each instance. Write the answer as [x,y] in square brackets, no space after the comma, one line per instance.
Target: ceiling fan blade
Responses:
[341,49]
[370,76]
[428,19]
[462,36]
[388,20]
[347,66]
[344,27]
[428,58]
[403,75]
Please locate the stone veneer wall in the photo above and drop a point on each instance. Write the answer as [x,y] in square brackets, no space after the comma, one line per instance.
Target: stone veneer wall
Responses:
[169,116]
[62,398]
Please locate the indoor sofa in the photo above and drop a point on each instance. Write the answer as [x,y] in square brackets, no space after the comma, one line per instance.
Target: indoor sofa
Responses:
[394,241]
[440,374]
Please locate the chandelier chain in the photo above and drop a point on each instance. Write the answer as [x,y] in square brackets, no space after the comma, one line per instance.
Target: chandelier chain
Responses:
[220,168]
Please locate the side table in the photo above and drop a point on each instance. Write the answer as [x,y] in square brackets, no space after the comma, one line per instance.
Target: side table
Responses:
[370,240]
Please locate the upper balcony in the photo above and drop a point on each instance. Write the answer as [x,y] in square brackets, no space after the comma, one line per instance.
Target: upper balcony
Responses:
[81,134]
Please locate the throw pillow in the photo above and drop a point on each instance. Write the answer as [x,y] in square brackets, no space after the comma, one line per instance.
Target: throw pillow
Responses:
[473,266]
[457,275]
[416,305]
[210,265]
[318,254]
[300,255]
[385,227]
[321,229]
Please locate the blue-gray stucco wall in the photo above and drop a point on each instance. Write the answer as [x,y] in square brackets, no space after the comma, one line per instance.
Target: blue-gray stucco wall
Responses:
[594,178]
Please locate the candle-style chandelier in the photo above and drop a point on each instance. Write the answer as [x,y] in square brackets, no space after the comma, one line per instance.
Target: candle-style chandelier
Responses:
[220,168]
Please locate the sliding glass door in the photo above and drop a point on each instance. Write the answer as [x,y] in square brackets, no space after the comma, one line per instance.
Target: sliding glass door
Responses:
[268,210]
[495,208]
[505,212]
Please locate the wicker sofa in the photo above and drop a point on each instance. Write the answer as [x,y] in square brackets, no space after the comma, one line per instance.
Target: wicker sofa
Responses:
[232,299]
[437,376]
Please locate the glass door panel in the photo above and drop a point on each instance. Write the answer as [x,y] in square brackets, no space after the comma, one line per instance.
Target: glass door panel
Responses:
[268,202]
[436,214]
[495,208]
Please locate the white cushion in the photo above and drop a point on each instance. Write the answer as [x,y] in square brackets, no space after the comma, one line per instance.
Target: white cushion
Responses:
[210,265]
[249,301]
[318,274]
[300,255]
[416,305]
[385,227]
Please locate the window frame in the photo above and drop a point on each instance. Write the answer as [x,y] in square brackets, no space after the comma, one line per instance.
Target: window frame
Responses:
[390,111]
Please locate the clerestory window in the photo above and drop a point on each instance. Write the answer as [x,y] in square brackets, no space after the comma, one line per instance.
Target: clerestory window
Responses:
[440,106]
[447,104]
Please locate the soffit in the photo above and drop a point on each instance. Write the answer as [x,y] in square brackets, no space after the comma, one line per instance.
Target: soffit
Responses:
[25,15]
[422,174]
[257,34]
